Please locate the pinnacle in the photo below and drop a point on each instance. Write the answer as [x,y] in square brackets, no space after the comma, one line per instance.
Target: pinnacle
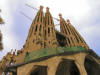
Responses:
[47,9]
[60,15]
[68,21]
[41,7]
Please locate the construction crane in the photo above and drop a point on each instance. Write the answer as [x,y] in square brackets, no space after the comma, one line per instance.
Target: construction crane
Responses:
[25,15]
[36,10]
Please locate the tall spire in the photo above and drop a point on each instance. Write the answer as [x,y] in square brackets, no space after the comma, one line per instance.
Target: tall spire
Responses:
[49,33]
[67,31]
[35,39]
[73,37]
[81,42]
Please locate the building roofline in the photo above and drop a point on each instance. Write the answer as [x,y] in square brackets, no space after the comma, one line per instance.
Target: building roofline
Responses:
[44,58]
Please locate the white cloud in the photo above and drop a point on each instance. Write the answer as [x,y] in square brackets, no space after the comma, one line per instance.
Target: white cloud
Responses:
[74,8]
[81,12]
[83,15]
[9,38]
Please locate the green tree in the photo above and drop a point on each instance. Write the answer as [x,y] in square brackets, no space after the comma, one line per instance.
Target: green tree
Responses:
[1,22]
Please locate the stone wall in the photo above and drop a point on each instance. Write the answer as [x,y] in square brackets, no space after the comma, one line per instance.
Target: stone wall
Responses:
[52,64]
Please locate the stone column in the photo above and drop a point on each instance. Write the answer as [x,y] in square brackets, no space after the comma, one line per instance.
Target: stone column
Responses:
[79,61]
[81,69]
[52,66]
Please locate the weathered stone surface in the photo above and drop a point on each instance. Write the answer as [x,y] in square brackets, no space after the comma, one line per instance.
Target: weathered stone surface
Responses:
[42,35]
[52,64]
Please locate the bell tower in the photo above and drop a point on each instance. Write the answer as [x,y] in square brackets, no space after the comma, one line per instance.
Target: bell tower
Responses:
[71,40]
[49,32]
[81,42]
[73,37]
[35,39]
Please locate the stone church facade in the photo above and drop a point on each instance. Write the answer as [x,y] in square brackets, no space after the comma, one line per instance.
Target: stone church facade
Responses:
[50,52]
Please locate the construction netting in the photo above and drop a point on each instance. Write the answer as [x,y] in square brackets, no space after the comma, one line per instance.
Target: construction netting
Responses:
[51,51]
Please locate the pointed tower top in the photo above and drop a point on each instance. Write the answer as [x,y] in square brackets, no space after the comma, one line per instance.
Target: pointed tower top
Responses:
[48,17]
[49,34]
[41,7]
[60,15]
[35,38]
[47,9]
[68,21]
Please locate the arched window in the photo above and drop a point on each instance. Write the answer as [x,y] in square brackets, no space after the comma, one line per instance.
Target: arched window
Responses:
[91,66]
[67,67]
[40,70]
[36,28]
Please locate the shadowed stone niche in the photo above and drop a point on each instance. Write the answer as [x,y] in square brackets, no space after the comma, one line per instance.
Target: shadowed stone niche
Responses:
[67,67]
[40,70]
[91,66]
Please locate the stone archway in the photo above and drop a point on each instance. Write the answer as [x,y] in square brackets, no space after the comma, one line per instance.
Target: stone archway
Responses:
[40,70]
[67,67]
[91,66]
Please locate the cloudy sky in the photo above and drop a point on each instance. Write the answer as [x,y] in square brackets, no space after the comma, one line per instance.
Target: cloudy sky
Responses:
[84,15]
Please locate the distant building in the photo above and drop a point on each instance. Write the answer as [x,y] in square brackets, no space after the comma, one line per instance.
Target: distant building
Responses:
[50,52]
